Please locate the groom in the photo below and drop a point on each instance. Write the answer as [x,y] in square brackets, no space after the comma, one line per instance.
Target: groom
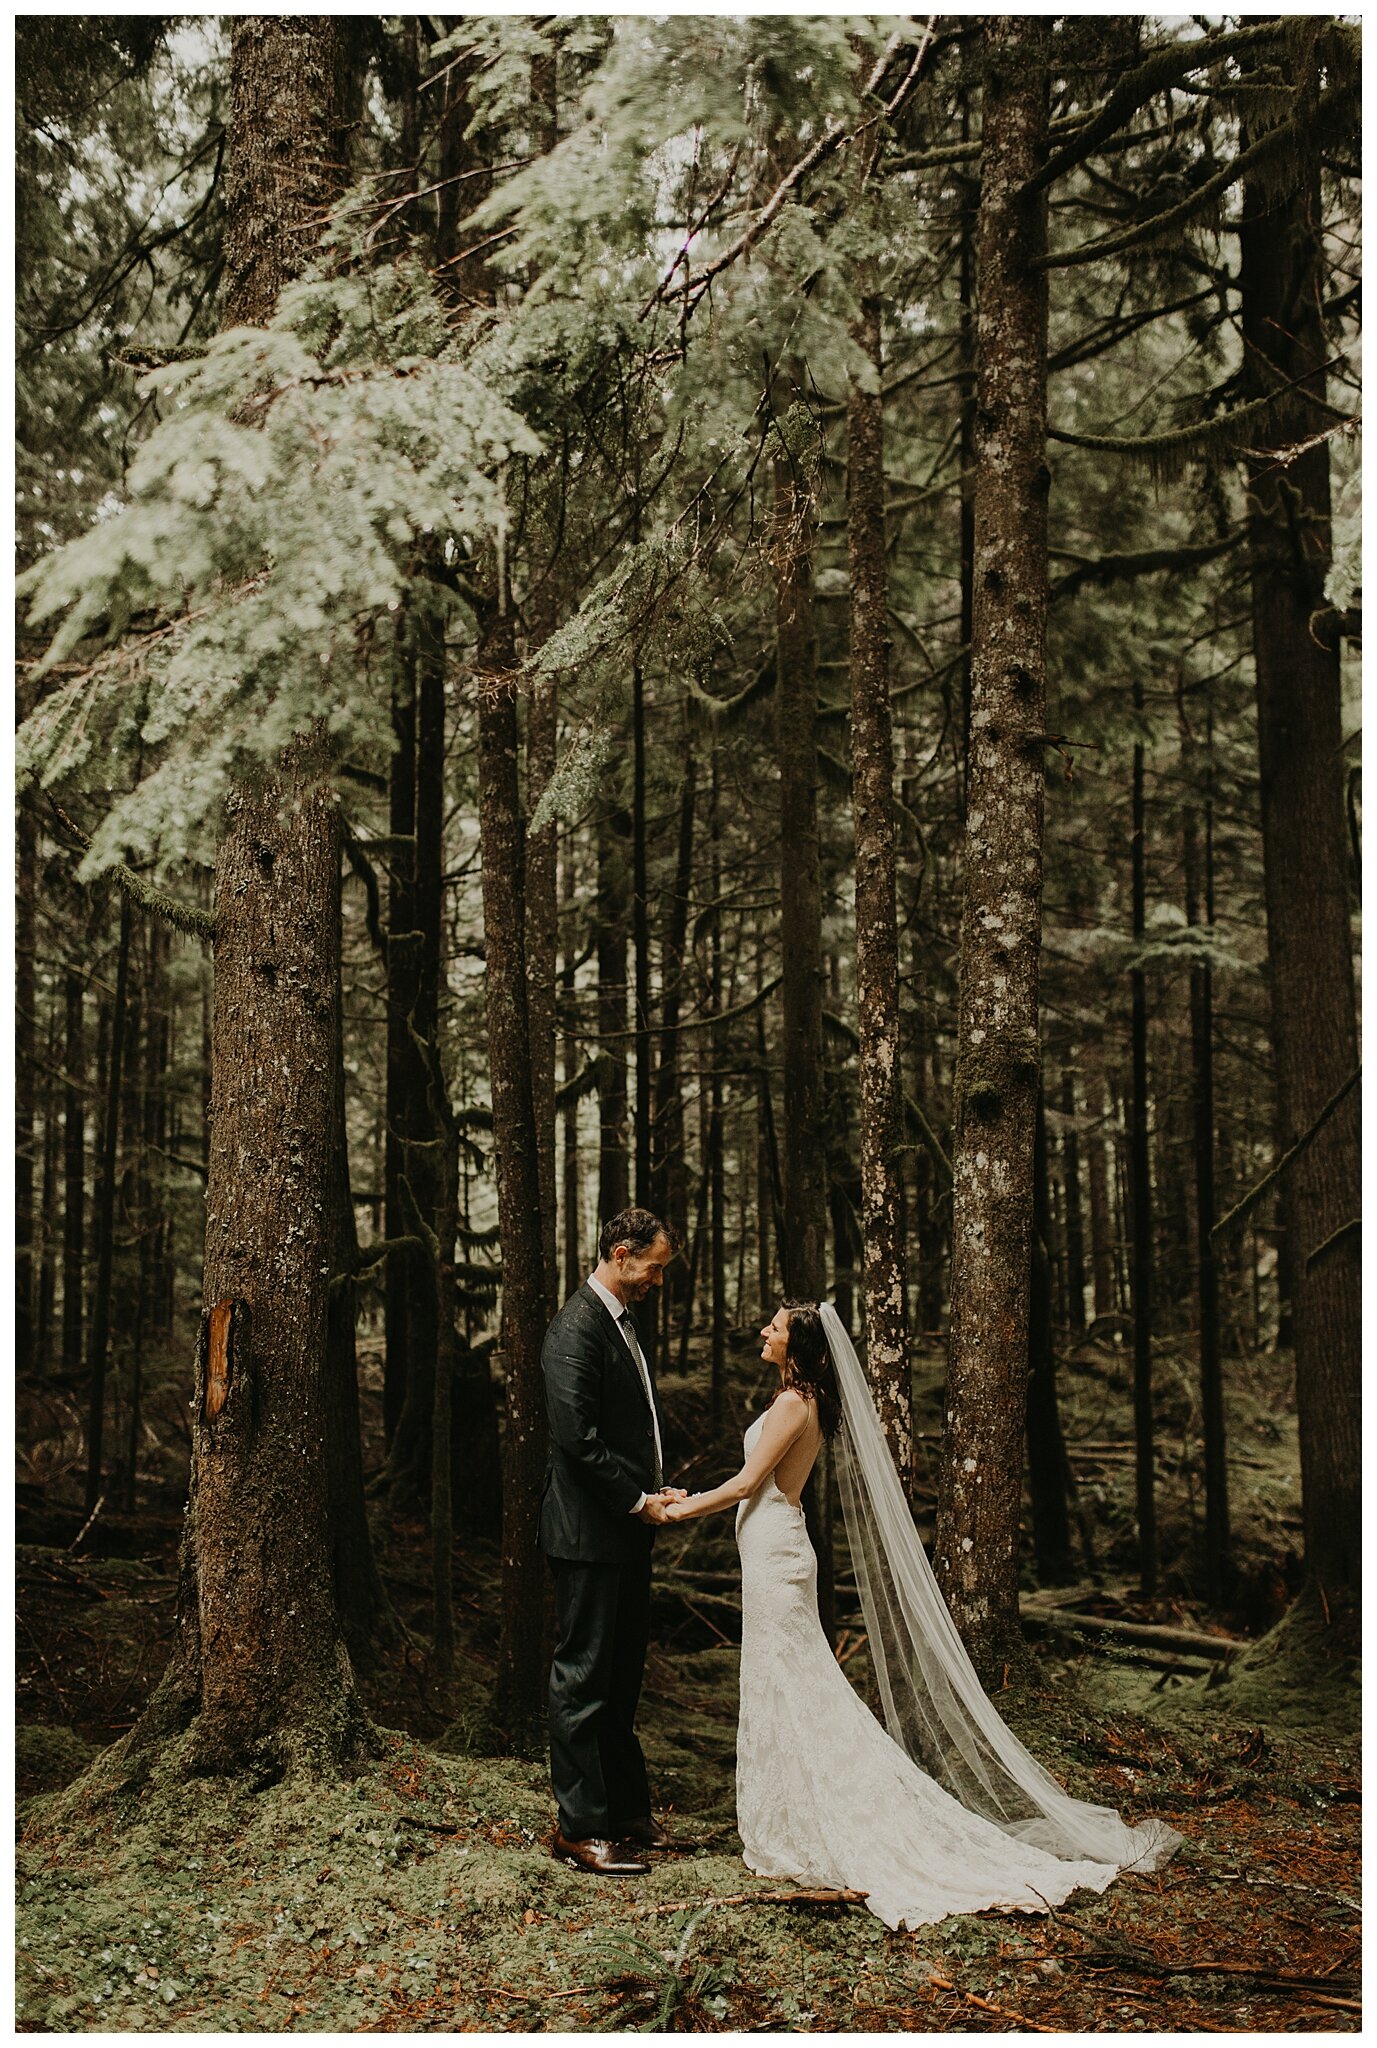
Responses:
[604,1496]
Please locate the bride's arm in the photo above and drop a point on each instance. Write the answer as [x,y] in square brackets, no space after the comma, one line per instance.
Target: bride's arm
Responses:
[785,1423]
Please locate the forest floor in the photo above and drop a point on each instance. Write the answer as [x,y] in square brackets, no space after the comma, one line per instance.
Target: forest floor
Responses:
[418,1893]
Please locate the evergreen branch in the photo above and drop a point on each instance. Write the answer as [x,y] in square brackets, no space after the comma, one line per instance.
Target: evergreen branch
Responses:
[368,875]
[833,138]
[1258,153]
[372,1258]
[1335,1238]
[1146,562]
[1159,70]
[1241,1211]
[184,917]
[1217,435]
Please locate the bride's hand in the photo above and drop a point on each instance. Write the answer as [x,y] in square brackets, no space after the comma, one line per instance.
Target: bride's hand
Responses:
[674,1510]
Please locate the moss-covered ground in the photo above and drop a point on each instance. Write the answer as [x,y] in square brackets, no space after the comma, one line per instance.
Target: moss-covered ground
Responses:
[418,1893]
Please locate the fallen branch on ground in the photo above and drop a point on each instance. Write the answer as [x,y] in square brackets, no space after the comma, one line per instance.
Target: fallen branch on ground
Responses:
[812,1898]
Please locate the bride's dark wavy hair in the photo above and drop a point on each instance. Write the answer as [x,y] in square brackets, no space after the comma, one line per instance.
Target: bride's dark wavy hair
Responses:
[808,1362]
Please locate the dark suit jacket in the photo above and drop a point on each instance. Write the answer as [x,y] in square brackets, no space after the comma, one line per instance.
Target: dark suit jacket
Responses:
[602,1441]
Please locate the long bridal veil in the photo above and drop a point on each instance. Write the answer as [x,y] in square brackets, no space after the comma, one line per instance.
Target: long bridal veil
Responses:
[934,1705]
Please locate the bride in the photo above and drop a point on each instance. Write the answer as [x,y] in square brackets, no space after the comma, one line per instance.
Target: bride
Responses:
[941,1810]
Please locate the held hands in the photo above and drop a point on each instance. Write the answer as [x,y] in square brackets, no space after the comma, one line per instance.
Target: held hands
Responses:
[658,1506]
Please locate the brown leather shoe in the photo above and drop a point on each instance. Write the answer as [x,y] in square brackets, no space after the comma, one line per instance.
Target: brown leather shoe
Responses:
[595,1854]
[647,1833]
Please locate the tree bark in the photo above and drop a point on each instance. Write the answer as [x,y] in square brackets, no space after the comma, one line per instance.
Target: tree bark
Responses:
[997,1044]
[73,1174]
[669,1197]
[1306,856]
[403,964]
[877,940]
[614,1192]
[1071,1180]
[1217,1559]
[573,1260]
[1140,1185]
[803,1245]
[521,1675]
[105,1218]
[259,1660]
[1049,1470]
[25,1077]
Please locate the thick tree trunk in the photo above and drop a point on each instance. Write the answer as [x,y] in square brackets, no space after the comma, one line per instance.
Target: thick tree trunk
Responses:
[877,941]
[1140,1184]
[997,1046]
[105,1218]
[259,1658]
[1306,858]
[73,1173]
[521,1674]
[275,1682]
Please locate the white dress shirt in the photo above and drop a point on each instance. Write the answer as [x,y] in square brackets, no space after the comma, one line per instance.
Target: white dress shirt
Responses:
[618,1309]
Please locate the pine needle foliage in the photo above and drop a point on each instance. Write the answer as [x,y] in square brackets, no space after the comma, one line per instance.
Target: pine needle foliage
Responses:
[305,482]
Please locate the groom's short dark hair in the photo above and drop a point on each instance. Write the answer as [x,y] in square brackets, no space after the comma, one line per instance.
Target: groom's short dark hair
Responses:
[638,1228]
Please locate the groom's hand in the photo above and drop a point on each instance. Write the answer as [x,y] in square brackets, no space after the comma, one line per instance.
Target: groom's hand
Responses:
[653,1510]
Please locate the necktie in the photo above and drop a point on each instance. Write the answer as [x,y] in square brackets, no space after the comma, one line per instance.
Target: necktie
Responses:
[629,1332]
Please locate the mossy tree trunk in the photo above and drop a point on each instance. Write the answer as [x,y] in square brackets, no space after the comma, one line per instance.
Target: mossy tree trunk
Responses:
[997,1033]
[877,940]
[1306,855]
[260,1670]
[518,1700]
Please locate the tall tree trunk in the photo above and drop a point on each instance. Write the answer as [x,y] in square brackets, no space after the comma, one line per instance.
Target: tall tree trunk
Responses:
[49,1209]
[365,1612]
[640,935]
[403,966]
[259,1659]
[25,1077]
[542,722]
[669,1197]
[713,1163]
[1217,1558]
[73,1174]
[421,965]
[542,956]
[803,1245]
[1306,854]
[521,1675]
[105,1217]
[573,1248]
[1140,1183]
[1071,1177]
[997,1046]
[1049,1469]
[614,827]
[1097,1172]
[877,938]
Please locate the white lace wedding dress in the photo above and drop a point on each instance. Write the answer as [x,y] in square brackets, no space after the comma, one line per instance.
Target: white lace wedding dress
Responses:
[823,1793]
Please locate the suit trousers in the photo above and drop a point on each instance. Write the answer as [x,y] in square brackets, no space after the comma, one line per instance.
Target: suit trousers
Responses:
[602,1620]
